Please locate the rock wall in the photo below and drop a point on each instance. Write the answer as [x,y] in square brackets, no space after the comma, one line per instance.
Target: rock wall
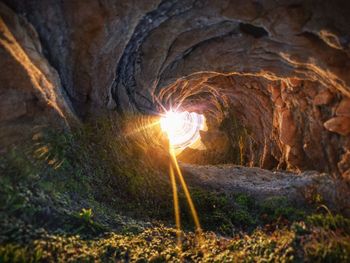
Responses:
[283,67]
[30,91]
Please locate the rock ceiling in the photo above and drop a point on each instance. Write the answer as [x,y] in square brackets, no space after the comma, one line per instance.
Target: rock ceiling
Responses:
[282,66]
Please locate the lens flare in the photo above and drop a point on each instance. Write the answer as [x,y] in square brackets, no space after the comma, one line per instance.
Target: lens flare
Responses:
[182,128]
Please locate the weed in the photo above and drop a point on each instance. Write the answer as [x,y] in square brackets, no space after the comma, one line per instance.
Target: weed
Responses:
[94,167]
[329,222]
[274,208]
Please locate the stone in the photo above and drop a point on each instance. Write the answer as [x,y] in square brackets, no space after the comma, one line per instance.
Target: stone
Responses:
[275,93]
[30,90]
[12,105]
[340,125]
[323,98]
[209,56]
[288,128]
[295,82]
[346,175]
[343,108]
[261,184]
[344,164]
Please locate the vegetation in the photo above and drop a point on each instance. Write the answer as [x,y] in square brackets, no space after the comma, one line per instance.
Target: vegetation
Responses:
[88,195]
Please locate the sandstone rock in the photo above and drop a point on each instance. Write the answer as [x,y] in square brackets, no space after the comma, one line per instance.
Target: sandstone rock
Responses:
[343,108]
[279,102]
[346,175]
[30,91]
[275,93]
[295,82]
[209,55]
[323,98]
[344,164]
[339,125]
[288,128]
[12,105]
[330,38]
[261,184]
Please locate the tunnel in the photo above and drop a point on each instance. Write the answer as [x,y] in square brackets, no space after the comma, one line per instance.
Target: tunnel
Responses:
[241,101]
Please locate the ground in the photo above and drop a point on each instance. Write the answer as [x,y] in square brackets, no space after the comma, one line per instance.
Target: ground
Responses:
[68,197]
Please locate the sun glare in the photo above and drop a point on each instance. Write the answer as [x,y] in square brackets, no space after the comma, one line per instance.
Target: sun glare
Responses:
[182,128]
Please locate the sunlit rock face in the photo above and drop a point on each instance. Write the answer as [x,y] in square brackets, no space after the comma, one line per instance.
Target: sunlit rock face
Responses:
[31,96]
[283,68]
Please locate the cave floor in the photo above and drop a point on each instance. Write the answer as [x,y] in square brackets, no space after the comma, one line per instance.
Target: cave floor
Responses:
[260,183]
[247,215]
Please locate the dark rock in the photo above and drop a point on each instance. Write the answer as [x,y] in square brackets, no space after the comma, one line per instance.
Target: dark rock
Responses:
[272,63]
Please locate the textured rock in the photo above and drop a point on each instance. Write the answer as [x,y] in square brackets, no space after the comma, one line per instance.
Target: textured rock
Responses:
[283,68]
[323,98]
[262,184]
[30,92]
[84,40]
[287,128]
[339,125]
[343,108]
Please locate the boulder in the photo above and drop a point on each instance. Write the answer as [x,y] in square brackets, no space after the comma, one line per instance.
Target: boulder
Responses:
[340,125]
[343,108]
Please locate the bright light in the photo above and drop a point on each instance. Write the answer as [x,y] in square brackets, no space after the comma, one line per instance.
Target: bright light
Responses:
[182,128]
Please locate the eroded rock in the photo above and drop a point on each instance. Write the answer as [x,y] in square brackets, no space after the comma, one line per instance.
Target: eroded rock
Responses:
[339,125]
[263,184]
[287,128]
[323,98]
[343,108]
[30,91]
[283,68]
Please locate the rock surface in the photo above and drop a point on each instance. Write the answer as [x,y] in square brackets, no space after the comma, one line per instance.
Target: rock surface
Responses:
[262,184]
[282,67]
[30,89]
[339,125]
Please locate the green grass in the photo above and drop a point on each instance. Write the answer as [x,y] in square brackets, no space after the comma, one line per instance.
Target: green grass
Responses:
[158,244]
[89,195]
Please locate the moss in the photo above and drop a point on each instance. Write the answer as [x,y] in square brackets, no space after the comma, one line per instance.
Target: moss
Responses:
[12,253]
[243,218]
[44,192]
[329,222]
[244,201]
[326,246]
[159,244]
[277,207]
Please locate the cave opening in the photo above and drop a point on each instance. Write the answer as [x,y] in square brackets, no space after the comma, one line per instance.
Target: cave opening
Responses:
[174,131]
[257,121]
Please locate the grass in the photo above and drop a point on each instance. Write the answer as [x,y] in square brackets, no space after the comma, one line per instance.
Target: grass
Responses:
[90,195]
[158,244]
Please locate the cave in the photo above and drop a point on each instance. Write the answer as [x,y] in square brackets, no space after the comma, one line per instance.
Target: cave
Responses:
[175,130]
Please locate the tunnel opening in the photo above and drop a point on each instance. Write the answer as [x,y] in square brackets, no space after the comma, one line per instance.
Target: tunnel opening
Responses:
[256,121]
[128,116]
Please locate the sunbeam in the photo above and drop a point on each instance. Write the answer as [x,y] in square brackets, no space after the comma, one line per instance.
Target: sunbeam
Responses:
[176,206]
[187,194]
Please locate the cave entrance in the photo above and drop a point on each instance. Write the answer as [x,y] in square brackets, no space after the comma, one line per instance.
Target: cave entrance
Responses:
[238,113]
[183,129]
[257,121]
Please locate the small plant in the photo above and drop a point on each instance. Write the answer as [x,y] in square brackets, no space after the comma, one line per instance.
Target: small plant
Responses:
[278,207]
[330,222]
[243,218]
[11,253]
[85,224]
[86,216]
[91,166]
